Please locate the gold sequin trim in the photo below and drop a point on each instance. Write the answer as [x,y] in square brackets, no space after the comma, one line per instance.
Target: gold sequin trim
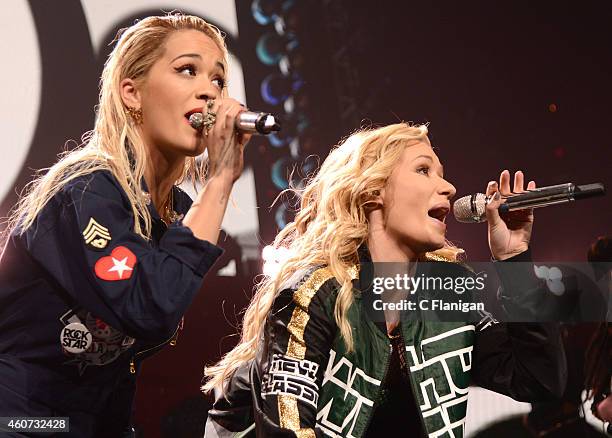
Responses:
[289,415]
[305,433]
[302,297]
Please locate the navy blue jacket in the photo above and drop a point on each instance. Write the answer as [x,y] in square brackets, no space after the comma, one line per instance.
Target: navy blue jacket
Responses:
[82,262]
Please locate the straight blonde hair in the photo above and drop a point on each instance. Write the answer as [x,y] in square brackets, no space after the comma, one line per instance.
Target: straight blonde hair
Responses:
[115,144]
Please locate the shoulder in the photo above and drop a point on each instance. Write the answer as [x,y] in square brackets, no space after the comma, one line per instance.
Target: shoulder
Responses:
[309,288]
[100,182]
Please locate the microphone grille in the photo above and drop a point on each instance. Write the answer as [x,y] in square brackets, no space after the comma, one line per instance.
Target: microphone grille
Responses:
[196,120]
[471,208]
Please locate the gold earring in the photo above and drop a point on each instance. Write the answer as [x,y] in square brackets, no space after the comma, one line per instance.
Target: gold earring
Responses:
[135,114]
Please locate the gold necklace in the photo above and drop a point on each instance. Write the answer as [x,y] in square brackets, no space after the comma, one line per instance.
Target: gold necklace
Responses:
[167,213]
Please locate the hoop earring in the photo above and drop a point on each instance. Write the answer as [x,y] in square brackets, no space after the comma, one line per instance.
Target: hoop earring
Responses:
[135,114]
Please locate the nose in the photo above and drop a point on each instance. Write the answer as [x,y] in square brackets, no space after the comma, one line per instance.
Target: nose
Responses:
[207,90]
[447,189]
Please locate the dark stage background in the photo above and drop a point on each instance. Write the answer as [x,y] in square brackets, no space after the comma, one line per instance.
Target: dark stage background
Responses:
[514,84]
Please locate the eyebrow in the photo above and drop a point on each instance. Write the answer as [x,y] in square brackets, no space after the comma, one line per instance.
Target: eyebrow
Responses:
[430,159]
[198,56]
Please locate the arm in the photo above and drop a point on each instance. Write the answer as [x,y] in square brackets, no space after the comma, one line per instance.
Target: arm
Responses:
[226,161]
[299,334]
[525,361]
[136,287]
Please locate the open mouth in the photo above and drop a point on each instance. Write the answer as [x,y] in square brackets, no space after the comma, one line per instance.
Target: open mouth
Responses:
[439,213]
[195,110]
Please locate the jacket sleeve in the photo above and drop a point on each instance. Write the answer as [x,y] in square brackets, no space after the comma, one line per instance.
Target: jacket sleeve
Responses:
[524,360]
[232,411]
[298,337]
[84,239]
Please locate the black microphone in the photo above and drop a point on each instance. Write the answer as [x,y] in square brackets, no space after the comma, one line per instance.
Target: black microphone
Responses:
[247,121]
[471,208]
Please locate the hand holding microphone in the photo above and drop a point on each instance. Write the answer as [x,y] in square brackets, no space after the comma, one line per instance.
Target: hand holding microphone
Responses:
[246,122]
[471,208]
[510,235]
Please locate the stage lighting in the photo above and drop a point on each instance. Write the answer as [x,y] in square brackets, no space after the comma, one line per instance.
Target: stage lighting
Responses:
[280,139]
[275,88]
[281,171]
[271,48]
[266,11]
[273,259]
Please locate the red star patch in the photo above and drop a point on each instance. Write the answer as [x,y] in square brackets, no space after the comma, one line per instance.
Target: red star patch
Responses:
[119,265]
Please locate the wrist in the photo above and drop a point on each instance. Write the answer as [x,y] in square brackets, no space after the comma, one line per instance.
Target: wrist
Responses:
[509,255]
[222,181]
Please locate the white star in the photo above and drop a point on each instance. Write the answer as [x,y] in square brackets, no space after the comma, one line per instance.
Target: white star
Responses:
[120,266]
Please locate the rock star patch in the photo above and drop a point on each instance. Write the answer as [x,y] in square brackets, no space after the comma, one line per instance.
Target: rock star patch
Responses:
[96,235]
[119,265]
[104,343]
[75,338]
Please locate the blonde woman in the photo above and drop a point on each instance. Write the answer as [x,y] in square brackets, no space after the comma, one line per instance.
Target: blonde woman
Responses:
[104,253]
[312,362]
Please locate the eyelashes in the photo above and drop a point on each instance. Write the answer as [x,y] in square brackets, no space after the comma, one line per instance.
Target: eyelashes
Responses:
[192,71]
[423,168]
[187,67]
[221,83]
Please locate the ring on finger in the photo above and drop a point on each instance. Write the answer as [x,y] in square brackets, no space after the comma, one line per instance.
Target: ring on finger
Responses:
[210,117]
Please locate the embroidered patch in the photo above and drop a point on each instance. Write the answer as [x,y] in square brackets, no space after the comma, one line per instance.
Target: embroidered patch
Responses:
[119,265]
[289,376]
[96,235]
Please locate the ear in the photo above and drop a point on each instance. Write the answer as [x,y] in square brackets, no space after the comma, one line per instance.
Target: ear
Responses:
[374,201]
[130,95]
[379,197]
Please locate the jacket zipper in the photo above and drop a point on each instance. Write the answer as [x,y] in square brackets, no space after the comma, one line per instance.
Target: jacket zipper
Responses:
[171,341]
[382,383]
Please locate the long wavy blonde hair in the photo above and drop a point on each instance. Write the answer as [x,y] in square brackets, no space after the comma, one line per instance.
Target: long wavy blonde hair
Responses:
[328,229]
[115,143]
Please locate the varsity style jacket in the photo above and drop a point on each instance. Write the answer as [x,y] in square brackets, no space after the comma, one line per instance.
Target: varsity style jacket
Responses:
[83,299]
[303,381]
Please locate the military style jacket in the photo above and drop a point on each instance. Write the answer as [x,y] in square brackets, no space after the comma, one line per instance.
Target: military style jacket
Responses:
[83,299]
[305,383]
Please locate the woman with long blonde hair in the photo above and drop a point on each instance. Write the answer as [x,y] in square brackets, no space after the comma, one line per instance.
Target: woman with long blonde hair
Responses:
[312,361]
[104,253]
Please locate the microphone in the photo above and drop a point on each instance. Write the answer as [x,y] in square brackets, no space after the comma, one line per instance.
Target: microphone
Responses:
[247,121]
[471,208]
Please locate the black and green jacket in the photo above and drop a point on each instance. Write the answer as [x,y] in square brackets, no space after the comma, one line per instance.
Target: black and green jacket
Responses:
[305,383]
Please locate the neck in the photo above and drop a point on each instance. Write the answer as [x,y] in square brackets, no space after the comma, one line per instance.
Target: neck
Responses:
[162,171]
[383,247]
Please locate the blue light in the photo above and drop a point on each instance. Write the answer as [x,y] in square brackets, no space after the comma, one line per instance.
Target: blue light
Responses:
[275,88]
[270,48]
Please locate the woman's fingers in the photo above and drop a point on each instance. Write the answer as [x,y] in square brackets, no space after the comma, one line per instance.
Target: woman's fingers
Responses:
[493,203]
[519,181]
[504,183]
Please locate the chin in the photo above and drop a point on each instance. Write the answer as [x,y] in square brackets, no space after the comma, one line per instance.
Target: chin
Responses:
[434,244]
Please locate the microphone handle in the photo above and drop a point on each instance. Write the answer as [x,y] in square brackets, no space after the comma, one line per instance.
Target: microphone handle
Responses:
[261,123]
[551,195]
